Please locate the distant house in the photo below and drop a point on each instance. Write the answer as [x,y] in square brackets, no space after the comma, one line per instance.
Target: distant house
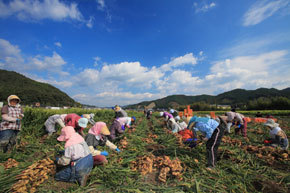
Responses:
[223,106]
[52,107]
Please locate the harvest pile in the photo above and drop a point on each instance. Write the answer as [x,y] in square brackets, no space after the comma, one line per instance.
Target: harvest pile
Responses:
[132,130]
[10,163]
[179,140]
[231,142]
[267,153]
[153,136]
[33,176]
[123,143]
[148,140]
[166,166]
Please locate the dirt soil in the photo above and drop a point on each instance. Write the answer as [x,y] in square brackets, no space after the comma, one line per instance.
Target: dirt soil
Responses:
[269,186]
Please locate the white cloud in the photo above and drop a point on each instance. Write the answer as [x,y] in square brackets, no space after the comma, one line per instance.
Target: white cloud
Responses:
[107,99]
[262,10]
[90,22]
[62,84]
[53,63]
[203,7]
[10,55]
[101,4]
[96,61]
[187,59]
[12,58]
[58,44]
[38,10]
[8,49]
[114,76]
[131,82]
[88,77]
[250,72]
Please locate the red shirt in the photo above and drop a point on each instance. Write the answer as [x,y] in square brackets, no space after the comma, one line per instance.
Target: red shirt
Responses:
[72,120]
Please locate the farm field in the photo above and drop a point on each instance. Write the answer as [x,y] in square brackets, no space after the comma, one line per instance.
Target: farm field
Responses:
[151,160]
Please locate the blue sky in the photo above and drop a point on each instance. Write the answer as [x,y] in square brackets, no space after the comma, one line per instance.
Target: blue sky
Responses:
[107,52]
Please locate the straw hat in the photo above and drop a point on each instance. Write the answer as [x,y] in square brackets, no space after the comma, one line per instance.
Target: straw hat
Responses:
[271,123]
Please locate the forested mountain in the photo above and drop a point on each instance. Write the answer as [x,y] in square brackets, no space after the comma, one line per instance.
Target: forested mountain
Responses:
[31,92]
[233,98]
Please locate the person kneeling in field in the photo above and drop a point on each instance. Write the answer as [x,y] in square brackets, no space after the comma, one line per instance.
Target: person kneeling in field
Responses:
[213,131]
[119,112]
[240,120]
[77,158]
[149,113]
[97,136]
[119,125]
[166,117]
[77,122]
[90,118]
[10,124]
[50,123]
[277,135]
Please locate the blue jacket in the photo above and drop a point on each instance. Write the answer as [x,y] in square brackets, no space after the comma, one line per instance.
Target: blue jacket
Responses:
[206,128]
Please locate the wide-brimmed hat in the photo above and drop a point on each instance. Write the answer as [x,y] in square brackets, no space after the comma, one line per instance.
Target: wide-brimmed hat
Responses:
[117,108]
[86,116]
[83,122]
[161,114]
[66,133]
[271,123]
[11,97]
[99,128]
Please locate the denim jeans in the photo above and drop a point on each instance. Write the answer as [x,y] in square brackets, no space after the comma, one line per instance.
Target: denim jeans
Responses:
[8,139]
[74,173]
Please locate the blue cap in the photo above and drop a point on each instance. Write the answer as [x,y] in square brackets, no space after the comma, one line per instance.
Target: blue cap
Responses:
[134,118]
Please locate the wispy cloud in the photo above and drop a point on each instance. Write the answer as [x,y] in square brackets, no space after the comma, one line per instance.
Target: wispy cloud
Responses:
[58,44]
[262,10]
[39,10]
[101,4]
[255,45]
[203,7]
[187,59]
[90,22]
[96,61]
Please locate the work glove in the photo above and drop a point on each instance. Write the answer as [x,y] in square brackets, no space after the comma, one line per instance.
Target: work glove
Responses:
[17,121]
[118,150]
[56,160]
[123,127]
[189,140]
[104,153]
